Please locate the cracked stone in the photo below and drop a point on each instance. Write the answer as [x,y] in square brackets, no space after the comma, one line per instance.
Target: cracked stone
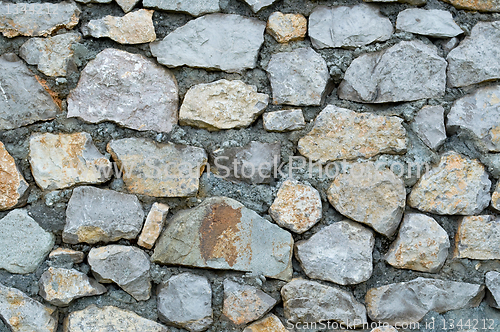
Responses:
[478,237]
[271,323]
[428,124]
[435,23]
[493,285]
[153,225]
[287,27]
[482,6]
[192,7]
[283,121]
[13,186]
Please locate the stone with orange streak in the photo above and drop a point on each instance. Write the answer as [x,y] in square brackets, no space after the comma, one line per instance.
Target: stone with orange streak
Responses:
[271,323]
[67,255]
[479,5]
[286,27]
[153,225]
[13,186]
[478,237]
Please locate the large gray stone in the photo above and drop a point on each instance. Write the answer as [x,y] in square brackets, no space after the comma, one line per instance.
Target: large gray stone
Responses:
[478,237]
[434,23]
[428,124]
[193,7]
[14,189]
[493,285]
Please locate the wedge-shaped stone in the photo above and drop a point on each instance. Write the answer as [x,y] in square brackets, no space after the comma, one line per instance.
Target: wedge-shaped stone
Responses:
[127,5]
[478,237]
[153,225]
[257,5]
[271,323]
[482,6]
[429,126]
[287,27]
[434,23]
[193,7]
[493,285]
[13,186]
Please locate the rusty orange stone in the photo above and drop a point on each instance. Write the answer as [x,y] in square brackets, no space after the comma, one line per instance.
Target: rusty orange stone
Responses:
[479,5]
[13,186]
[287,27]
[270,323]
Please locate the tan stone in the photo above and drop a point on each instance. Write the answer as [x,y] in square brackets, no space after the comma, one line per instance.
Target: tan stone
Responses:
[478,237]
[479,5]
[13,186]
[287,27]
[384,329]
[270,323]
[495,197]
[153,225]
[67,254]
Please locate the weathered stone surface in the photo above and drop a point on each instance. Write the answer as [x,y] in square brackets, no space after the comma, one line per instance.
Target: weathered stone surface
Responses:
[340,133]
[221,233]
[109,318]
[434,23]
[22,314]
[126,266]
[298,77]
[409,70]
[65,254]
[93,1]
[297,206]
[408,302]
[25,19]
[13,186]
[193,7]
[343,26]
[271,323]
[133,28]
[60,286]
[160,170]
[384,329]
[153,225]
[495,197]
[286,27]
[482,6]
[128,89]
[244,304]
[428,124]
[24,100]
[285,120]
[310,301]
[457,185]
[476,59]
[478,237]
[185,301]
[23,244]
[341,253]
[127,5]
[450,44]
[227,42]
[98,215]
[411,2]
[222,105]
[257,5]
[493,285]
[422,244]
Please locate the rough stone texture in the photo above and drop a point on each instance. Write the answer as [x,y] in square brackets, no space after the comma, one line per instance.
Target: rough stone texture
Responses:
[23,314]
[435,23]
[127,266]
[185,300]
[24,100]
[310,301]
[222,105]
[286,27]
[109,318]
[227,42]
[221,233]
[193,7]
[482,6]
[153,225]
[409,70]
[422,245]
[476,59]
[384,329]
[495,197]
[73,160]
[13,186]
[348,26]
[411,2]
[493,285]
[65,254]
[428,124]
[160,170]
[285,120]
[457,185]
[298,77]
[478,237]
[38,20]
[450,44]
[127,5]
[51,55]
[341,253]
[257,5]
[370,195]
[340,133]
[297,206]
[93,1]
[98,215]
[128,89]
[271,323]
[408,302]
[60,286]
[23,244]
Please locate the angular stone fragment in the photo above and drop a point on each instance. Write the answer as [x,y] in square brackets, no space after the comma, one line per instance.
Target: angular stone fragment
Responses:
[340,133]
[226,42]
[482,6]
[286,27]
[478,237]
[429,126]
[221,233]
[434,23]
[67,255]
[126,266]
[476,59]
[409,70]
[495,197]
[23,244]
[493,285]
[13,186]
[222,105]
[153,225]
[160,170]
[343,26]
[193,7]
[286,120]
[98,215]
[310,301]
[128,89]
[257,5]
[384,329]
[185,301]
[271,323]
[411,2]
[298,77]
[422,245]
[60,286]
[127,5]
[457,185]
[93,1]
[408,302]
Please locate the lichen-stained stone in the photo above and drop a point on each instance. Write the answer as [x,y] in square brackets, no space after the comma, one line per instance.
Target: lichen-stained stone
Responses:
[495,197]
[478,237]
[127,5]
[37,19]
[344,26]
[221,233]
[457,185]
[60,286]
[257,5]
[422,244]
[339,133]
[13,186]
[285,120]
[74,159]
[298,77]
[435,23]
[222,105]
[371,195]
[128,89]
[286,27]
[133,28]
[159,170]
[476,59]
[64,254]
[482,6]
[428,124]
[193,7]
[153,225]
[99,215]
[271,323]
[493,285]
[23,314]
[409,70]
[408,302]
[310,301]
[226,42]
[297,206]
